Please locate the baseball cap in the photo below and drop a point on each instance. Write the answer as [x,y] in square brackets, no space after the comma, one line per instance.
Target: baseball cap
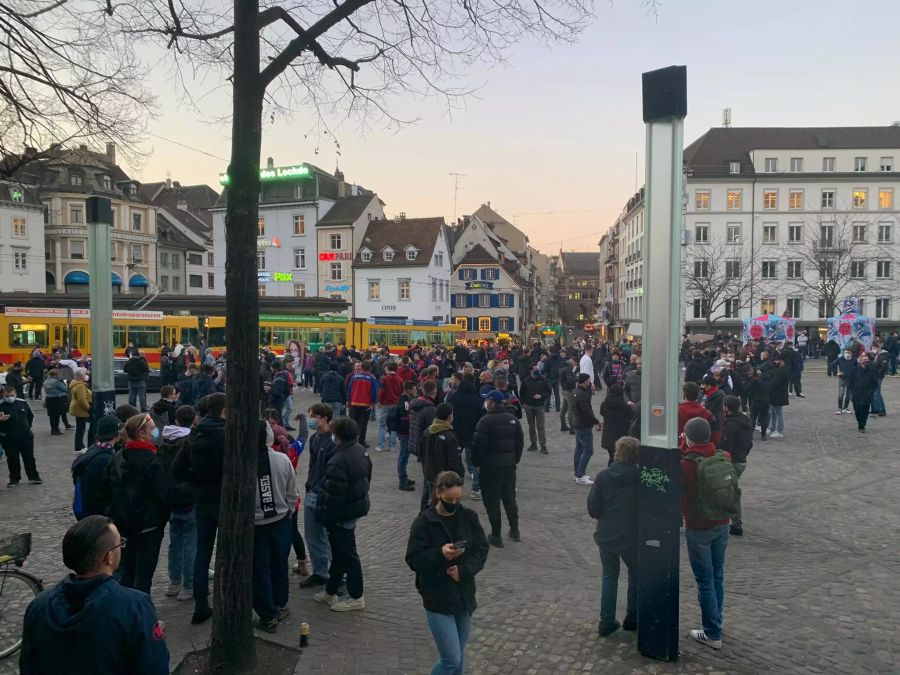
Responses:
[495,395]
[107,427]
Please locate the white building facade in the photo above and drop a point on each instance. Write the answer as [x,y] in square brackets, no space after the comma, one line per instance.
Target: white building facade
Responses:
[22,256]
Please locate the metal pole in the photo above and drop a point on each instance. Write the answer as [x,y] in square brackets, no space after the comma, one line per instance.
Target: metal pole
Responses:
[99,222]
[665,106]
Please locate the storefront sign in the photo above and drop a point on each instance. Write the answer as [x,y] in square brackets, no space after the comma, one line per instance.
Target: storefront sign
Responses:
[264,242]
[343,288]
[277,173]
[333,256]
[389,308]
[274,276]
[474,285]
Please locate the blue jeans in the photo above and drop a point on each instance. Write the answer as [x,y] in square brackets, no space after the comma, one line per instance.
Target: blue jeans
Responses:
[206,517]
[138,391]
[317,546]
[609,589]
[584,450]
[337,407]
[182,548]
[706,551]
[286,411]
[878,401]
[776,419]
[450,633]
[384,412]
[403,458]
[476,482]
[271,548]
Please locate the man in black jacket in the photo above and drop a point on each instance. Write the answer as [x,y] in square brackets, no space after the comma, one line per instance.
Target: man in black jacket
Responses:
[533,394]
[321,447]
[568,373]
[342,500]
[551,371]
[863,381]
[467,410]
[737,440]
[584,422]
[440,450]
[330,385]
[89,471]
[202,465]
[16,437]
[137,371]
[496,450]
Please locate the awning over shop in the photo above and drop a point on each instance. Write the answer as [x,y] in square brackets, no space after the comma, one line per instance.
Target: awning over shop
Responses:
[138,280]
[635,329]
[77,278]
[116,279]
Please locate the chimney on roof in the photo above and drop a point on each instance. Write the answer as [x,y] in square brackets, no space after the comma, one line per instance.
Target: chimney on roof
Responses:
[111,153]
[403,215]
[176,184]
[82,147]
[182,205]
[338,174]
[29,153]
[270,163]
[168,183]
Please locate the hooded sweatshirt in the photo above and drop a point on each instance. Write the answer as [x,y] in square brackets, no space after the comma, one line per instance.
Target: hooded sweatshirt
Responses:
[440,450]
[173,441]
[95,627]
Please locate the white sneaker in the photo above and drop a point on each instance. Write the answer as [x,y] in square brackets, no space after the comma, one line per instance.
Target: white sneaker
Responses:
[348,604]
[838,412]
[173,590]
[325,598]
[584,480]
[185,594]
[846,411]
[378,448]
[758,429]
[700,636]
[775,434]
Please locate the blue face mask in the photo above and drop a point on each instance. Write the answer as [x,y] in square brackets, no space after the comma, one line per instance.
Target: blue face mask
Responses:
[155,434]
[311,424]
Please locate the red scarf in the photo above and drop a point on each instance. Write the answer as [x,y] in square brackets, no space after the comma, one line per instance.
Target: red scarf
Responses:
[141,445]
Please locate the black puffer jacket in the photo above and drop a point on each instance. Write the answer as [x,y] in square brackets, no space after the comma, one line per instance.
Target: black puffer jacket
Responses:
[440,452]
[737,436]
[582,411]
[202,462]
[864,382]
[613,502]
[344,492]
[140,489]
[467,410]
[428,534]
[534,391]
[567,377]
[498,441]
[779,380]
[421,415]
[616,414]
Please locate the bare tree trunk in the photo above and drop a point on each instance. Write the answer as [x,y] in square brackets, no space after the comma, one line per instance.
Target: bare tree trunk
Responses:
[232,633]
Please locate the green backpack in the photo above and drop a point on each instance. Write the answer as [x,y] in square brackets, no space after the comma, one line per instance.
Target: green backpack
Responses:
[718,492]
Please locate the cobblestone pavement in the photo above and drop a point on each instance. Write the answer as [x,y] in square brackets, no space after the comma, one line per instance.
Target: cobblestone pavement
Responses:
[811,588]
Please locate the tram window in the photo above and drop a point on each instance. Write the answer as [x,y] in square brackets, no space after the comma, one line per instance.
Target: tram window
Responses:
[216,337]
[435,337]
[191,335]
[281,336]
[398,337]
[119,337]
[417,336]
[315,337]
[265,336]
[377,337]
[28,335]
[145,336]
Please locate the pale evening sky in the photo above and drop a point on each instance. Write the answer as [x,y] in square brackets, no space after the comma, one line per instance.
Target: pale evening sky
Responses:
[557,131]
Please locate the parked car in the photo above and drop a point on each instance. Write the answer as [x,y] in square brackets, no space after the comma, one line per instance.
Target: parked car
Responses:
[121,379]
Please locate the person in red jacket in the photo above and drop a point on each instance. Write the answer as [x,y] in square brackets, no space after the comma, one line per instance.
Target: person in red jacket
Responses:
[362,396]
[706,539]
[406,373]
[390,390]
[690,408]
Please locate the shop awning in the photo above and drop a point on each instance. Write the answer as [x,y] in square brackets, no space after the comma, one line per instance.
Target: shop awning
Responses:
[77,278]
[634,329]
[116,279]
[138,280]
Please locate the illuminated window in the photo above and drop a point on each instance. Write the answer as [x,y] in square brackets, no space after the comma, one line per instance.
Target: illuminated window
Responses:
[299,225]
[462,323]
[771,165]
[859,198]
[767,306]
[885,198]
[701,199]
[770,234]
[261,227]
[733,199]
[299,290]
[828,164]
[403,289]
[827,199]
[770,199]
[484,324]
[374,289]
[19,228]
[795,201]
[795,233]
[796,164]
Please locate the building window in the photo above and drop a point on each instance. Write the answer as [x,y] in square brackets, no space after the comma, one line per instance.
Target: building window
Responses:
[107,183]
[438,259]
[492,274]
[769,269]
[176,260]
[299,290]
[701,233]
[827,199]
[299,258]
[828,164]
[770,234]
[732,308]
[460,300]
[857,269]
[886,164]
[403,289]
[796,164]
[76,179]
[260,260]
[76,249]
[701,269]
[506,300]
[210,280]
[700,308]
[336,271]
[793,307]
[261,289]
[771,165]
[795,233]
[484,299]
[411,253]
[826,236]
[767,306]
[20,260]
[826,270]
[794,269]
[859,233]
[164,283]
[795,200]
[733,200]
[374,289]
[734,167]
[884,233]
[701,200]
[299,225]
[770,199]
[136,221]
[484,324]
[19,228]
[883,308]
[336,241]
[732,269]
[163,259]
[824,309]
[261,226]
[859,164]
[76,215]
[132,190]
[195,281]
[195,259]
[503,323]
[883,269]
[434,290]
[860,198]
[388,255]
[885,198]
[137,254]
[210,259]
[733,233]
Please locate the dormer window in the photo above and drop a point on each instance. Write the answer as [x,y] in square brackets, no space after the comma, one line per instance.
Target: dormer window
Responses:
[107,183]
[365,255]
[132,190]
[76,179]
[411,253]
[388,254]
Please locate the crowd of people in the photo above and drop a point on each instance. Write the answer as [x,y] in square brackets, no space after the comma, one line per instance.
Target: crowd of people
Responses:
[458,412]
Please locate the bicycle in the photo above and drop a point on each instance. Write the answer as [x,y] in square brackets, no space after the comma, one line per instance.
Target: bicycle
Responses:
[17,590]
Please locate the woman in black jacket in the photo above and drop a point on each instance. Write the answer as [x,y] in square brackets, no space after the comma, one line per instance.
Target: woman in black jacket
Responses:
[468,407]
[613,501]
[616,414]
[446,549]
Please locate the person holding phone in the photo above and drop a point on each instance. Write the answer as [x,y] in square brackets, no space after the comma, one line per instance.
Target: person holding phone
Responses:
[447,548]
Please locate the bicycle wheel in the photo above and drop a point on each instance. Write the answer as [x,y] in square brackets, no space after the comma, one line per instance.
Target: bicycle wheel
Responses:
[17,590]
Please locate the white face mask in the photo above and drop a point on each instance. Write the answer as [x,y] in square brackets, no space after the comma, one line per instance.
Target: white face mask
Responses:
[848,355]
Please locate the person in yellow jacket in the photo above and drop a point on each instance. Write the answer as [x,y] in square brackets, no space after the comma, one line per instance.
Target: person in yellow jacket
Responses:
[80,400]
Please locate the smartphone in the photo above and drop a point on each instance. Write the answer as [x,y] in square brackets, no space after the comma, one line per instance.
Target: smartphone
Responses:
[460,545]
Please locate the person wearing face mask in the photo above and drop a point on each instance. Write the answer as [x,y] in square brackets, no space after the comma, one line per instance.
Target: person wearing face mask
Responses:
[17,437]
[845,366]
[163,411]
[320,447]
[447,548]
[141,492]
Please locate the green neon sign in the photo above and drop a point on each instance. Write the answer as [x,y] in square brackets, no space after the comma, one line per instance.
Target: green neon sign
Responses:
[278,173]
